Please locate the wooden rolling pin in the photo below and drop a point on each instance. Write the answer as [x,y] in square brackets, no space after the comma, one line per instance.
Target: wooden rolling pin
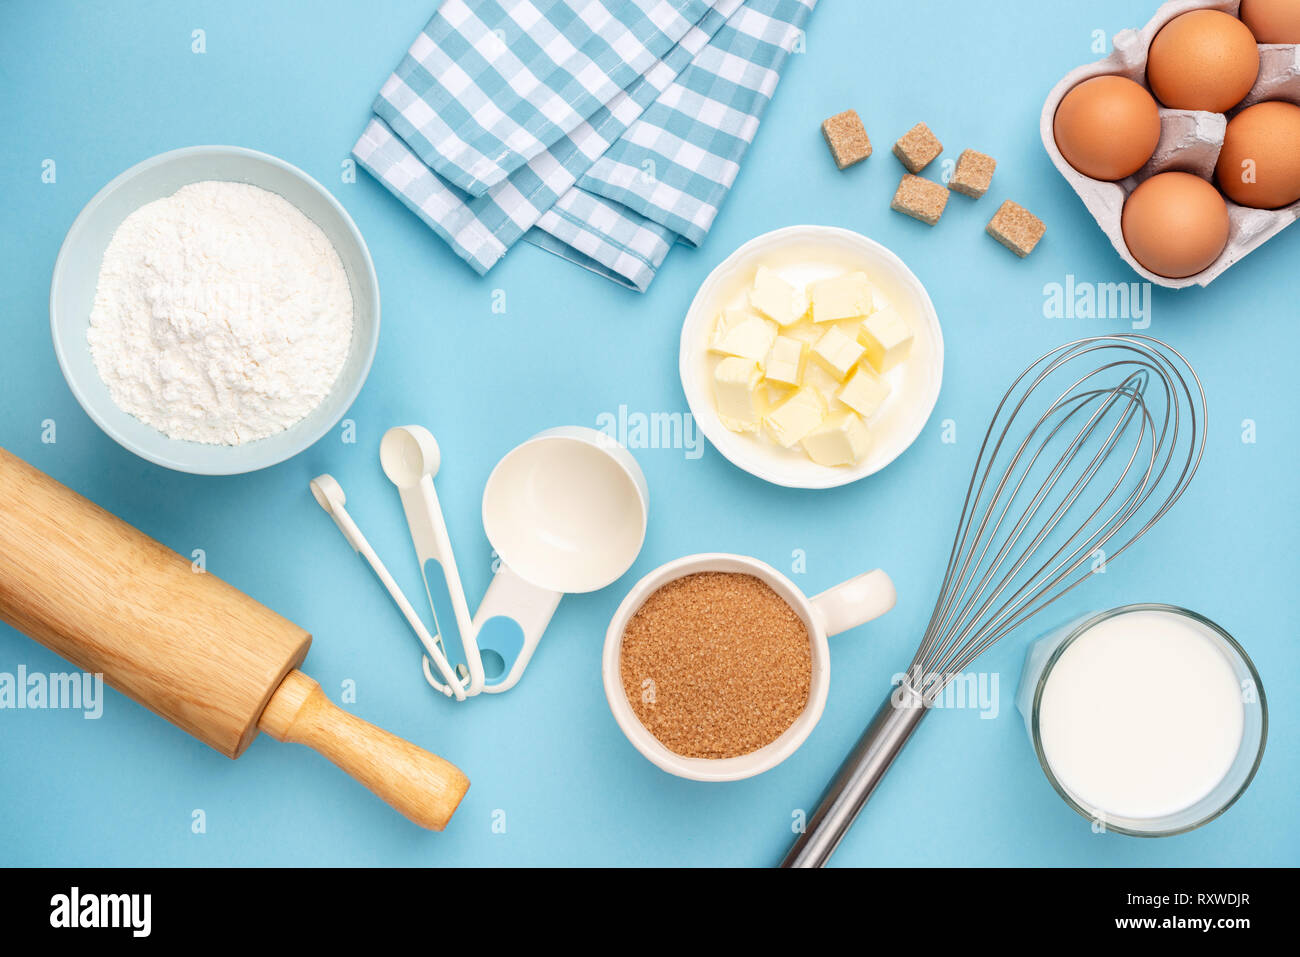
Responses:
[185,644]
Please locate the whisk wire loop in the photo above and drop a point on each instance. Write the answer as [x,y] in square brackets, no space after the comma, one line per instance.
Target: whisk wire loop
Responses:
[1087,450]
[1134,427]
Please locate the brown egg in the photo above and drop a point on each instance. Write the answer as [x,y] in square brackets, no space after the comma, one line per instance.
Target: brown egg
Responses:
[1175,224]
[1259,164]
[1202,60]
[1107,127]
[1272,21]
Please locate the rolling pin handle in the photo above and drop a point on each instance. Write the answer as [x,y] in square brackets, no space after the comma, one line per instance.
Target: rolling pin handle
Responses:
[420,785]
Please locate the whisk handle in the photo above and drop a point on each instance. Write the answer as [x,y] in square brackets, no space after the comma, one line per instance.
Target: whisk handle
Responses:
[857,778]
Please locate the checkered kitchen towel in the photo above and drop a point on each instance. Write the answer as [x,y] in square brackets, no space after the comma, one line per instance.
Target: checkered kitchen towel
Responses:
[601,130]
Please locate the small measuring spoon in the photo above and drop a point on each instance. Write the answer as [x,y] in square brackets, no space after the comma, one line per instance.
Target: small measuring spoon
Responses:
[329,495]
[410,457]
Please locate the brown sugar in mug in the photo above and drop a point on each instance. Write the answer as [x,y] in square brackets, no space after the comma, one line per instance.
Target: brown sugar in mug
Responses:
[835,610]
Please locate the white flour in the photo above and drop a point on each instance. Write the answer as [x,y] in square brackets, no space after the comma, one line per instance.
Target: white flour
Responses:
[222,314]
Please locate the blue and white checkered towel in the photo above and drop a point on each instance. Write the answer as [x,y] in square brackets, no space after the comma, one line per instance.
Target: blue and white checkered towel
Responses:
[601,130]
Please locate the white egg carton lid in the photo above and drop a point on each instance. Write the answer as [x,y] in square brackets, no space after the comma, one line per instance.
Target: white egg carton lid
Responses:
[1190,141]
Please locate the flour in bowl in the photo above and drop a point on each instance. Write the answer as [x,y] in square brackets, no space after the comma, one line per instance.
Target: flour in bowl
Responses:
[222,314]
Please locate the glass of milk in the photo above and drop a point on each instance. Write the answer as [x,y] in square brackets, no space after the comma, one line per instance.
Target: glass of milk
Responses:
[1148,719]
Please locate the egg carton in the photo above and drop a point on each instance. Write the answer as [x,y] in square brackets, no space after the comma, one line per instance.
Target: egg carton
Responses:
[1190,141]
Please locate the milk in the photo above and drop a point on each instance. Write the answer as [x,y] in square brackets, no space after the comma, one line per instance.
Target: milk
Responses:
[1142,715]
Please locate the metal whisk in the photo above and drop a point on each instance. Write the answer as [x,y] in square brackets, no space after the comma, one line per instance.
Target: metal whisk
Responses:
[1088,449]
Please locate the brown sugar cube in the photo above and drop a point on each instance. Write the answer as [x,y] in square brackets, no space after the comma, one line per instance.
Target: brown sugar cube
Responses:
[847,138]
[917,147]
[920,198]
[1016,228]
[973,174]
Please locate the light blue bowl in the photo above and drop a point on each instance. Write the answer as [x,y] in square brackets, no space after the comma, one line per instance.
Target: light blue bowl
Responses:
[76,273]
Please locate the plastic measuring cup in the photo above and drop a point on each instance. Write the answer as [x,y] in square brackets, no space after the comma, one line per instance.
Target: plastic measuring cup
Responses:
[566,513]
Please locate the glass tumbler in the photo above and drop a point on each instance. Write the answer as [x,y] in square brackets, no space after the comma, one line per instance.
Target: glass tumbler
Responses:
[1041,659]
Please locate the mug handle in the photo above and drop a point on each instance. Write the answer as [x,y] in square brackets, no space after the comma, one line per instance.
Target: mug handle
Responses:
[855,601]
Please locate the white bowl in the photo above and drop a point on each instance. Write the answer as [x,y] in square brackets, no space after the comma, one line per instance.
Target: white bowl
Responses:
[76,274]
[838,609]
[815,252]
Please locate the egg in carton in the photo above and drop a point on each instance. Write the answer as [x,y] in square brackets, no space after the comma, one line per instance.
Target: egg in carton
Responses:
[1190,141]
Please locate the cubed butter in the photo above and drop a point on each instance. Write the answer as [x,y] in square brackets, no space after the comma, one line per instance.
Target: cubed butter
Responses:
[864,393]
[794,418]
[841,439]
[776,298]
[844,297]
[727,320]
[837,352]
[786,362]
[747,336]
[886,338]
[738,394]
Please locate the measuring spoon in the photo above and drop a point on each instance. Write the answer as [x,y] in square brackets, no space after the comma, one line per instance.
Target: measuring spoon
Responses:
[410,457]
[329,496]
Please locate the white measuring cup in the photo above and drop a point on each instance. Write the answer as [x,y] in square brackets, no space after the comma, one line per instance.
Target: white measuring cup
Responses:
[565,512]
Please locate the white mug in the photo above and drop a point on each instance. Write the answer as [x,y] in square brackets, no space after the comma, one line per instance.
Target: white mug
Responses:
[837,609]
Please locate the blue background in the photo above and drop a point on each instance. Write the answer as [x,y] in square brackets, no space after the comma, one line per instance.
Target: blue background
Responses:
[100,86]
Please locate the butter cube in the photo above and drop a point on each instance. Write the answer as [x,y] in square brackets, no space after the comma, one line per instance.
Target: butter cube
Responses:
[837,352]
[794,418]
[737,392]
[727,320]
[744,335]
[786,362]
[844,297]
[886,338]
[864,393]
[842,439]
[776,298]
